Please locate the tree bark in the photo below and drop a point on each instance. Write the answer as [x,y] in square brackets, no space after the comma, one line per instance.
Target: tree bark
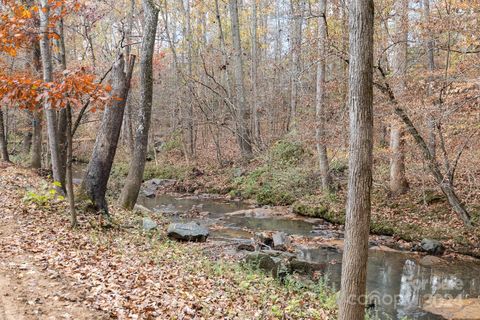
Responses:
[320,102]
[3,139]
[354,263]
[36,152]
[46,53]
[255,118]
[95,181]
[62,118]
[297,8]
[398,180]
[430,45]
[130,191]
[243,114]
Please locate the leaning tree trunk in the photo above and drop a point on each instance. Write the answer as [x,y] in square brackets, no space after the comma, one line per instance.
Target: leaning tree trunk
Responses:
[3,139]
[398,180]
[357,226]
[46,53]
[130,191]
[62,117]
[243,113]
[320,99]
[95,181]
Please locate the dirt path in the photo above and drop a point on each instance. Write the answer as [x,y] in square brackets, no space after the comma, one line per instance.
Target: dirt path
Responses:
[28,289]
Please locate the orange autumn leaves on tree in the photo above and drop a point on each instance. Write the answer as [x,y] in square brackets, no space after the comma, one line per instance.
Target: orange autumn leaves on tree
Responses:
[15,26]
[21,89]
[73,87]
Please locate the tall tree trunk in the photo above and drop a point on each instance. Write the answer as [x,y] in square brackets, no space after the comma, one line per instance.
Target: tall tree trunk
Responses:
[46,53]
[320,102]
[398,180]
[62,121]
[96,177]
[190,122]
[3,139]
[297,8]
[255,118]
[430,45]
[130,191]
[243,113]
[36,152]
[357,226]
[69,175]
[128,117]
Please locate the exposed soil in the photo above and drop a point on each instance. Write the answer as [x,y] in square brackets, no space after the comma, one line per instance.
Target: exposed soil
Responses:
[28,290]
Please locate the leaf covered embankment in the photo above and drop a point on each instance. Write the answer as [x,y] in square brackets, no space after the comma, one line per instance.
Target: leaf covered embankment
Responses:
[125,272]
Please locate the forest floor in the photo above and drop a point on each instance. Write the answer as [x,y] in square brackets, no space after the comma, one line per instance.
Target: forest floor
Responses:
[49,271]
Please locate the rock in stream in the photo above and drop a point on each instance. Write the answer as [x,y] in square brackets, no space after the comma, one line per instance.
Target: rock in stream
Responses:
[188,232]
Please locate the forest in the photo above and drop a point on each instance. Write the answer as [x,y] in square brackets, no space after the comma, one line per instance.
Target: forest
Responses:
[239,159]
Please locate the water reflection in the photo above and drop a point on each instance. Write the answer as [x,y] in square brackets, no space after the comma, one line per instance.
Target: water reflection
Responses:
[400,285]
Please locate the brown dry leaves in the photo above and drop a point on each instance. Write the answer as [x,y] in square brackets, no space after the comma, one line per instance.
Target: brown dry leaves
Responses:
[130,275]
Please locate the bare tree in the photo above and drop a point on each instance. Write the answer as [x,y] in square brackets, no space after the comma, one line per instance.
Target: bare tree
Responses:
[46,53]
[357,226]
[430,46]
[37,115]
[130,191]
[297,9]
[398,180]
[320,98]
[243,113]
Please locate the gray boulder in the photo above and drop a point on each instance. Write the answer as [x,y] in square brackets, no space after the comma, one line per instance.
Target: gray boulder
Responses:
[149,193]
[432,247]
[280,241]
[265,262]
[305,267]
[148,224]
[187,232]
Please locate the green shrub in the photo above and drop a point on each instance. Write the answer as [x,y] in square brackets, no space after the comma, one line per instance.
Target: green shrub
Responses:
[47,195]
[286,153]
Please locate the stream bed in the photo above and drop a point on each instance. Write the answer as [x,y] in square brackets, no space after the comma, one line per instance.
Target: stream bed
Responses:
[399,283]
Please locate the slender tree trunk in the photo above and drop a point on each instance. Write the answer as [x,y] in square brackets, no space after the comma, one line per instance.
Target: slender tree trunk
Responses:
[255,118]
[297,8]
[37,115]
[96,177]
[62,114]
[3,139]
[69,175]
[432,143]
[243,112]
[36,153]
[357,226]
[46,53]
[320,99]
[128,118]
[130,191]
[190,122]
[398,180]
[27,142]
